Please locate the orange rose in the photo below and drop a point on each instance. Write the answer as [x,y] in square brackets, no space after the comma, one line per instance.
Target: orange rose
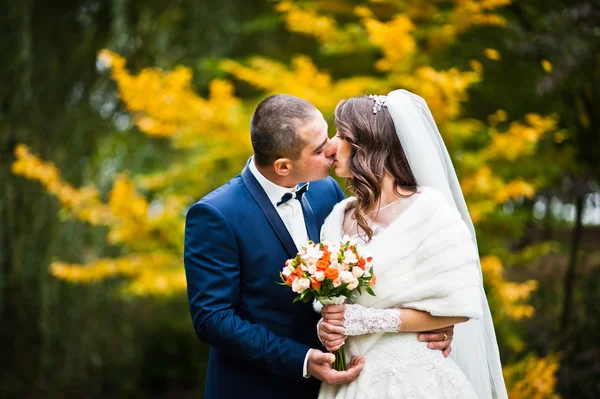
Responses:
[290,279]
[322,264]
[299,272]
[362,263]
[326,256]
[373,280]
[315,284]
[331,273]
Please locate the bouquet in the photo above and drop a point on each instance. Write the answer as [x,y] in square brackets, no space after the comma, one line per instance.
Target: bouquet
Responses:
[330,273]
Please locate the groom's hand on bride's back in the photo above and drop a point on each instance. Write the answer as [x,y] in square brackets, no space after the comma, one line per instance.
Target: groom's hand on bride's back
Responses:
[440,339]
[319,366]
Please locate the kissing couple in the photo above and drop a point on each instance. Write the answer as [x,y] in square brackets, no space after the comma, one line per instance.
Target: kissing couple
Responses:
[407,209]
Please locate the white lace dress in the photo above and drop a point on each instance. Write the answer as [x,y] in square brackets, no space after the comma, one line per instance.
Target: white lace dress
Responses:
[397,364]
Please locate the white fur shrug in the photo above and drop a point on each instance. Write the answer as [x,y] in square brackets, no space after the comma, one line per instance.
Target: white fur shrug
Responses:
[424,260]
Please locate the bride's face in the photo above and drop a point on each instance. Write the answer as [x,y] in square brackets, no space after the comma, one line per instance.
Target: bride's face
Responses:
[342,155]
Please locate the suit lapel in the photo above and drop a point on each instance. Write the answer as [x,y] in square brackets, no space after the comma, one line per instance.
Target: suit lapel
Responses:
[269,210]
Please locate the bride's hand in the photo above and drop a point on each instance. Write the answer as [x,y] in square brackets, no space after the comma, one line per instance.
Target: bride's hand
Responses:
[331,329]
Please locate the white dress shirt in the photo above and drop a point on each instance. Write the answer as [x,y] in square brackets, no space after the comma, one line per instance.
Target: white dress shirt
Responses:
[291,215]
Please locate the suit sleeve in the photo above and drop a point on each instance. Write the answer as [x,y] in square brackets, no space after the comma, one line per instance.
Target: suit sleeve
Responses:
[212,269]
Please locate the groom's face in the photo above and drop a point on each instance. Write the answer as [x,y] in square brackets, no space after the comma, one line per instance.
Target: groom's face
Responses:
[317,156]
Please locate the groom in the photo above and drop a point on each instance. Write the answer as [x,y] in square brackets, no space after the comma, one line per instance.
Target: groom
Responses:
[237,240]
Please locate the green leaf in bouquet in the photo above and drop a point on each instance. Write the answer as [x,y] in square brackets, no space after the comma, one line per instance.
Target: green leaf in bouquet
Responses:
[370,291]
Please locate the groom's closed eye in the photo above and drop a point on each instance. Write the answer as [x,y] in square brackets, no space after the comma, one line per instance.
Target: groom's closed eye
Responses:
[319,149]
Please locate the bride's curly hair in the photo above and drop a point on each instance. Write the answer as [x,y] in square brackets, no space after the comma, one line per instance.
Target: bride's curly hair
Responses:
[376,151]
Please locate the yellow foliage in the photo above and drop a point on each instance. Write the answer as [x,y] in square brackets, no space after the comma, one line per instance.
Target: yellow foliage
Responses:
[302,79]
[148,274]
[487,191]
[492,54]
[83,203]
[469,13]
[476,66]
[497,117]
[514,189]
[532,378]
[164,103]
[308,22]
[443,90]
[547,66]
[394,39]
[511,297]
[521,137]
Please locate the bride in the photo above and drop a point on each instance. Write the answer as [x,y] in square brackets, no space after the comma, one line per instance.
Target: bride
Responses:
[409,213]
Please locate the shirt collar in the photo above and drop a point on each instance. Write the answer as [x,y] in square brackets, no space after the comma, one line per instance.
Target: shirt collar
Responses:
[273,191]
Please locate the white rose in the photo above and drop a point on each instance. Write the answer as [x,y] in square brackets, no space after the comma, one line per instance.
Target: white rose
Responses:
[346,277]
[313,252]
[312,269]
[319,275]
[357,271]
[333,248]
[350,257]
[300,285]
[353,284]
[333,262]
[286,271]
[337,282]
[343,267]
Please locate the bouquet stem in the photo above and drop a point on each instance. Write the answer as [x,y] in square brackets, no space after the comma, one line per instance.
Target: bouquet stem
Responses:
[340,359]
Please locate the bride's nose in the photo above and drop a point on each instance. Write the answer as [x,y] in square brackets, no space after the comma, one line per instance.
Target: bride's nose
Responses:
[332,148]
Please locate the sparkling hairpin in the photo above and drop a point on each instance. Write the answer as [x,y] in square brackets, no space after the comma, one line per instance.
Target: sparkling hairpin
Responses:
[380,101]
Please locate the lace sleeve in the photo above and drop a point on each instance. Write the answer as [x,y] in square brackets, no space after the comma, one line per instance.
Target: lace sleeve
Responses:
[359,320]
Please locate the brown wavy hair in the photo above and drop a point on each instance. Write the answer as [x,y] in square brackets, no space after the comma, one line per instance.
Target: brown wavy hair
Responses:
[376,151]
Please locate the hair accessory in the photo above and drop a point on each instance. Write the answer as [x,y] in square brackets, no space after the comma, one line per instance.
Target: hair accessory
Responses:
[380,101]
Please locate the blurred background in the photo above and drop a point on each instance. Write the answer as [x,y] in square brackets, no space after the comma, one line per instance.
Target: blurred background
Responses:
[116,116]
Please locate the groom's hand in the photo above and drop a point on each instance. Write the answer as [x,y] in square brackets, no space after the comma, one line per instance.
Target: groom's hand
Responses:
[439,339]
[319,366]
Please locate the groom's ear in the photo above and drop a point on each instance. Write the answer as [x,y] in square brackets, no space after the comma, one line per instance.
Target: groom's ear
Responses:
[282,166]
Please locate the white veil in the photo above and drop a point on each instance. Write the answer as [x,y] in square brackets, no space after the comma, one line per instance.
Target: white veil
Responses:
[474,346]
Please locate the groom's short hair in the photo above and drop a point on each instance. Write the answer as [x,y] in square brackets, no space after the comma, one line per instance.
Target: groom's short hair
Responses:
[274,128]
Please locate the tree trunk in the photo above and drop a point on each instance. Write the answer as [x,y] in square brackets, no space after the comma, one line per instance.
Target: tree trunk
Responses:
[571,270]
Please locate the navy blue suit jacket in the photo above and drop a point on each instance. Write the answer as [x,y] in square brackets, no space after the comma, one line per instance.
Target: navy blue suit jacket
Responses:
[235,246]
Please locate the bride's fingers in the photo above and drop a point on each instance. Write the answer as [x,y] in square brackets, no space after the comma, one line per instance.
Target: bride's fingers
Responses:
[339,323]
[332,309]
[332,329]
[333,316]
[334,344]
[332,339]
[333,348]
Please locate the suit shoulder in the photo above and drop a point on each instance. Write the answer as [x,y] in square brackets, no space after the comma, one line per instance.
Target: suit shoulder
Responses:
[327,183]
[221,196]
